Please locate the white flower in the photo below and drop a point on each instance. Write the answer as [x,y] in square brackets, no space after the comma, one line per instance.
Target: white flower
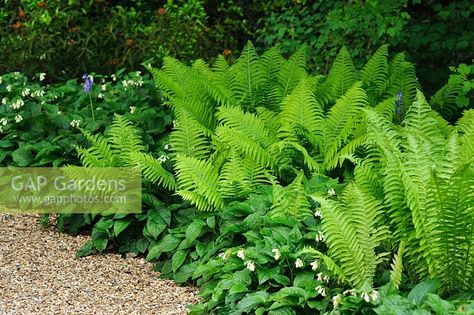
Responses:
[37,93]
[223,256]
[175,124]
[167,147]
[241,254]
[18,118]
[331,192]
[3,121]
[1,79]
[42,57]
[4,101]
[75,123]
[314,265]
[321,290]
[320,237]
[114,78]
[60,112]
[42,76]
[1,129]
[250,265]
[277,253]
[25,92]
[9,88]
[351,292]
[138,73]
[299,263]
[318,214]
[17,104]
[374,295]
[162,158]
[336,300]
[103,87]
[133,109]
[365,296]
[100,95]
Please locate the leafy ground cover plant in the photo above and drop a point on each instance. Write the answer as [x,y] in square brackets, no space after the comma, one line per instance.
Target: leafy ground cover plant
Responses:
[39,123]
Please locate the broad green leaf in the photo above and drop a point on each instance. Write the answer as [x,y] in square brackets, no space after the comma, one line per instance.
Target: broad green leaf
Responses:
[194,230]
[178,259]
[120,225]
[419,292]
[251,301]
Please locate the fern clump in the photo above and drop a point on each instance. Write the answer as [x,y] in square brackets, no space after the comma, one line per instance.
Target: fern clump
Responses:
[265,117]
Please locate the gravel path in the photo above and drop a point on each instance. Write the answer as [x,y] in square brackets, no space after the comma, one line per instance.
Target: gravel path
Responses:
[40,275]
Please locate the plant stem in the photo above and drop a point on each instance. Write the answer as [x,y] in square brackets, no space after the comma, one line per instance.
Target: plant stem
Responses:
[92,108]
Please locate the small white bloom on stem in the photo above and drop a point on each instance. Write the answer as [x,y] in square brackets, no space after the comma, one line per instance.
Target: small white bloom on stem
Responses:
[241,254]
[250,265]
[277,253]
[365,296]
[223,256]
[18,118]
[331,192]
[321,290]
[133,109]
[318,214]
[374,295]
[320,237]
[314,265]
[336,300]
[299,263]
[3,121]
[42,76]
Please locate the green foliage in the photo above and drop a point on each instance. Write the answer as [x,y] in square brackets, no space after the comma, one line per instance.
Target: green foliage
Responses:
[253,122]
[40,122]
[426,172]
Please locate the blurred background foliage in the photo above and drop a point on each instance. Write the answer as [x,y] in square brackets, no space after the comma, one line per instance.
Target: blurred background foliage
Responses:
[68,38]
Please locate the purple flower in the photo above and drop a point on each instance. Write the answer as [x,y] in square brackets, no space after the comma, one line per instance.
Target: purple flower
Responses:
[88,82]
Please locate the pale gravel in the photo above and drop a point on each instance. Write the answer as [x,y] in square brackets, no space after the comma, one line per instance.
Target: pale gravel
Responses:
[39,274]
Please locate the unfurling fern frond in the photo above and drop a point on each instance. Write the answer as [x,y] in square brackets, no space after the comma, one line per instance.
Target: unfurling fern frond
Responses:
[353,233]
[198,182]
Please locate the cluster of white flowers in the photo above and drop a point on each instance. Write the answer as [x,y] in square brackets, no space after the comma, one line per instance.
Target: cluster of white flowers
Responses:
[299,263]
[250,265]
[133,109]
[3,121]
[321,290]
[132,83]
[322,277]
[372,296]
[75,123]
[4,100]
[331,192]
[37,93]
[336,300]
[42,76]
[17,104]
[18,118]
[25,92]
[163,158]
[318,214]
[241,254]
[314,265]
[277,253]
[320,237]
[9,88]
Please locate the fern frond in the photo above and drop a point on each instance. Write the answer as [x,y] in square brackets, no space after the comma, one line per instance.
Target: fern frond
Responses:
[330,264]
[292,71]
[291,200]
[152,170]
[300,110]
[124,139]
[247,75]
[198,182]
[340,78]
[375,72]
[189,137]
[341,120]
[397,267]
[99,154]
